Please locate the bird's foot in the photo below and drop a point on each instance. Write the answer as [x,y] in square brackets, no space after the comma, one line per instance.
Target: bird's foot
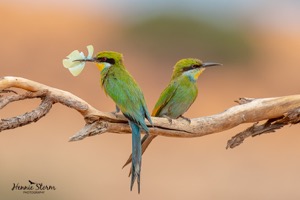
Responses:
[185,118]
[168,118]
[116,111]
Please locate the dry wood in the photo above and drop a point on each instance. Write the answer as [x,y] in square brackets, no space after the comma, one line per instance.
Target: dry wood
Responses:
[250,110]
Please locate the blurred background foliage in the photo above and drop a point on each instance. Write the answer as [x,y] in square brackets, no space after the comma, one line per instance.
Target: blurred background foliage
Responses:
[169,35]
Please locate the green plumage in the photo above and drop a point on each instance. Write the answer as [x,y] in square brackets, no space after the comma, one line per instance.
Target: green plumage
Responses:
[174,101]
[179,95]
[176,98]
[125,92]
[182,90]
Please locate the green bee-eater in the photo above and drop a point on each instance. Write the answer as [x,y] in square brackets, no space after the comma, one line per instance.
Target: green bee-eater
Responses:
[179,95]
[125,92]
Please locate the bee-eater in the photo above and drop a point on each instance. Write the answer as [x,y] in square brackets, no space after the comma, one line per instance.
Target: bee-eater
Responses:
[125,92]
[179,95]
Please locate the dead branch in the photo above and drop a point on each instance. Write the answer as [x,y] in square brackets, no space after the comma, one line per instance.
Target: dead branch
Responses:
[278,111]
[270,126]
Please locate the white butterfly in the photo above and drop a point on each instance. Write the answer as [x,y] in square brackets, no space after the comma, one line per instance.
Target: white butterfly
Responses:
[76,67]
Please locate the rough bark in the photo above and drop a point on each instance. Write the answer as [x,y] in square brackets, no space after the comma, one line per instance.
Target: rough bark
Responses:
[278,111]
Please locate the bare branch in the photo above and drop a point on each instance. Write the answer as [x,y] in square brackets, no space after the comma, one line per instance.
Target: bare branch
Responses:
[270,126]
[17,97]
[97,122]
[60,96]
[8,91]
[27,118]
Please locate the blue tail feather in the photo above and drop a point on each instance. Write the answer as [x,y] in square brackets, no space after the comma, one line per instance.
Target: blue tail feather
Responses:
[136,154]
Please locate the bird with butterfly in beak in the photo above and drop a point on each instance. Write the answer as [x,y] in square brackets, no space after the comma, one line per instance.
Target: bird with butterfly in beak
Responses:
[178,96]
[125,92]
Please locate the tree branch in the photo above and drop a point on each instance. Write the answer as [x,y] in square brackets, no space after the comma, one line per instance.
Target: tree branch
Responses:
[279,111]
[270,126]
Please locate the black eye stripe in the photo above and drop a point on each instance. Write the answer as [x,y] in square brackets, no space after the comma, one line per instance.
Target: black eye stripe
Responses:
[191,67]
[100,59]
[108,60]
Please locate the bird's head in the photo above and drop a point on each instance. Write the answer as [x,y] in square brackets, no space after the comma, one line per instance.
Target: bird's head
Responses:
[191,67]
[105,59]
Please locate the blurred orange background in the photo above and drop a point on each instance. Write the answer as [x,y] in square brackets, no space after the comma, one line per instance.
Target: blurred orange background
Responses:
[258,43]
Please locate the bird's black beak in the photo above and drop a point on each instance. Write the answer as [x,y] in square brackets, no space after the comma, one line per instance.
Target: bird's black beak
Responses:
[85,60]
[205,65]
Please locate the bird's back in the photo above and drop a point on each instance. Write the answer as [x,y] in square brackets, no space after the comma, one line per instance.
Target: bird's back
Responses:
[126,93]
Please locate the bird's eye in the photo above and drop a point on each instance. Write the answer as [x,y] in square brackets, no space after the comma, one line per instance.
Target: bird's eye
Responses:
[196,66]
[110,60]
[101,59]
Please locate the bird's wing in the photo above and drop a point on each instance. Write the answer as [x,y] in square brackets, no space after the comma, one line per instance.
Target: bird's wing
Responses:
[165,97]
[128,96]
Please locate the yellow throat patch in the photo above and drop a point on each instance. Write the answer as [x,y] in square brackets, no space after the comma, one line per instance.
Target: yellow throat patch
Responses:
[100,66]
[197,74]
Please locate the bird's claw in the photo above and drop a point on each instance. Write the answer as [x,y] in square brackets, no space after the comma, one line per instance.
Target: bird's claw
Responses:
[116,112]
[185,118]
[168,118]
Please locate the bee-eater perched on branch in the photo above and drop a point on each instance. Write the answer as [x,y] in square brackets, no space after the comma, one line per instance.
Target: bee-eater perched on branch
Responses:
[125,92]
[179,95]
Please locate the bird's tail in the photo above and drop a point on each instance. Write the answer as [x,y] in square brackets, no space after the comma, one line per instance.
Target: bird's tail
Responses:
[136,154]
[147,139]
